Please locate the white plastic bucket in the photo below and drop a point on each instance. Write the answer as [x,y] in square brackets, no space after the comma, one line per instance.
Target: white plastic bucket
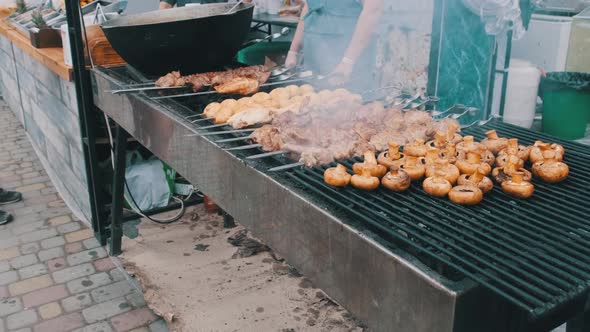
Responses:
[521,93]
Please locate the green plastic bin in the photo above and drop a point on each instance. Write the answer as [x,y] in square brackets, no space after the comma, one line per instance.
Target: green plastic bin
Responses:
[255,54]
[566,104]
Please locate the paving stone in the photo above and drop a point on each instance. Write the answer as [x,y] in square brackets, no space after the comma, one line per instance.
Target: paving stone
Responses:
[79,235]
[56,264]
[38,235]
[45,295]
[24,189]
[105,310]
[8,277]
[4,266]
[141,329]
[98,327]
[28,227]
[136,299]
[118,274]
[21,319]
[11,242]
[86,256]
[58,203]
[56,221]
[109,292]
[62,323]
[9,253]
[22,261]
[133,319]
[10,306]
[105,264]
[50,310]
[88,283]
[69,227]
[29,285]
[29,248]
[159,326]
[91,243]
[53,242]
[73,272]
[32,271]
[76,302]
[72,248]
[45,255]
[4,292]
[26,329]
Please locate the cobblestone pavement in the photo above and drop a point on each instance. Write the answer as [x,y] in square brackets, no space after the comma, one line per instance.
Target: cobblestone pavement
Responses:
[54,276]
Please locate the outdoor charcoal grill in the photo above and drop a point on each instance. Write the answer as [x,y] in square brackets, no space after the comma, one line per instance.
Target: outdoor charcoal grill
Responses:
[399,261]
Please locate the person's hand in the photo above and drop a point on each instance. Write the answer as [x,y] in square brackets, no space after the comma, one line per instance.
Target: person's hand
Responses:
[292,59]
[341,74]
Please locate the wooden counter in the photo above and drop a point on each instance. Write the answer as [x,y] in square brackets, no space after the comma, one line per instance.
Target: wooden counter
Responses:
[52,58]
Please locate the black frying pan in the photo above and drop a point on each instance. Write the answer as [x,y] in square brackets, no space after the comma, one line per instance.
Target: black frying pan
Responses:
[190,39]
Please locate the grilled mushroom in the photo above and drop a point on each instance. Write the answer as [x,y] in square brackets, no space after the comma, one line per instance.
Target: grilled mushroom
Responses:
[432,155]
[516,186]
[365,181]
[478,179]
[473,162]
[466,195]
[415,149]
[449,171]
[514,148]
[337,176]
[437,185]
[397,180]
[494,143]
[391,157]
[449,154]
[439,141]
[370,162]
[414,167]
[539,149]
[550,170]
[512,165]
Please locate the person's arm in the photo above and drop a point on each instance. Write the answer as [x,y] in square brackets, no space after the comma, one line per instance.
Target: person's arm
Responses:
[365,27]
[165,4]
[297,43]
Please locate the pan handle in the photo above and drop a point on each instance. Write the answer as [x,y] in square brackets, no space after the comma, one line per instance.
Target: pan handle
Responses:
[283,32]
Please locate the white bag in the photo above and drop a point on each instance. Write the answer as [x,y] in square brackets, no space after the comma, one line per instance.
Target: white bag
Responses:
[147,182]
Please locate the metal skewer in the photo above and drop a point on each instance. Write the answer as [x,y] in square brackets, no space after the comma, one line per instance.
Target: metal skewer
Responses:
[193,116]
[286,167]
[214,126]
[268,154]
[224,132]
[236,139]
[154,88]
[244,147]
[203,119]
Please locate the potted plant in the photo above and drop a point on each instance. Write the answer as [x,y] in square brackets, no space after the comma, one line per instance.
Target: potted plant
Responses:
[42,36]
[21,6]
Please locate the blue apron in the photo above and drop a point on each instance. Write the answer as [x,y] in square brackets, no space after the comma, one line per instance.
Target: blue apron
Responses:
[329,26]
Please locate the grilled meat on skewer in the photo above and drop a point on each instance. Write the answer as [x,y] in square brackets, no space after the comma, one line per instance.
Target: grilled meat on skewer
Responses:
[199,81]
[238,85]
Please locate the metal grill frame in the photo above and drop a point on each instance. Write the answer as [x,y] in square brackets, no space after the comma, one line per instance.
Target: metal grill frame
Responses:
[461,291]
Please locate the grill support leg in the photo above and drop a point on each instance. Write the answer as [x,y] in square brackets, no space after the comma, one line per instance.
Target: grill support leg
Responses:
[580,323]
[118,191]
[228,221]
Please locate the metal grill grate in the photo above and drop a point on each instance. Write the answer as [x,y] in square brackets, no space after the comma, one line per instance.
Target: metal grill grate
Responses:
[534,253]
